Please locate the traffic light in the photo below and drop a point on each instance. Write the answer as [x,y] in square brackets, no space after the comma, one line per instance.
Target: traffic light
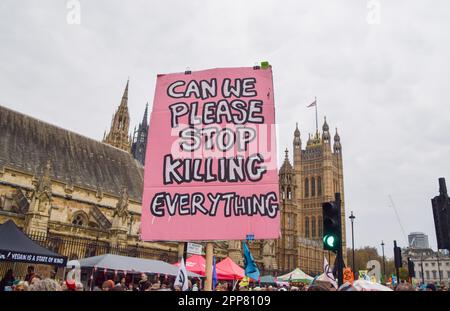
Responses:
[331,228]
[441,205]
[397,255]
[411,272]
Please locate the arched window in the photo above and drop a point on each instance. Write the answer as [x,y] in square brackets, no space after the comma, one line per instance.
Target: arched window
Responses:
[289,193]
[306,187]
[306,227]
[313,186]
[319,185]
[320,224]
[313,227]
[79,220]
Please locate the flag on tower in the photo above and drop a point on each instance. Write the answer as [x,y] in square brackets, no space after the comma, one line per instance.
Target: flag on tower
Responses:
[313,104]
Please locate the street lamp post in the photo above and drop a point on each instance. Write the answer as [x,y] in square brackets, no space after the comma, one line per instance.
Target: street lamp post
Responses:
[384,261]
[421,268]
[352,217]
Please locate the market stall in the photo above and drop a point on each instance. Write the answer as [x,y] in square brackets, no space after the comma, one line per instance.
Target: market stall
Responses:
[268,280]
[195,264]
[227,269]
[296,276]
[111,263]
[16,246]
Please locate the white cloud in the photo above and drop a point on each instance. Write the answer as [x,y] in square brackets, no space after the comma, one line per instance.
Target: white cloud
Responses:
[385,86]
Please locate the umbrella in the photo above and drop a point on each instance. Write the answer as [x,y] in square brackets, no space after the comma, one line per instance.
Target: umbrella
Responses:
[363,285]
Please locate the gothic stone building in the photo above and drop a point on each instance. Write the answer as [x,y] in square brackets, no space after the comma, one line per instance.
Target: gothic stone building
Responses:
[84,196]
[315,176]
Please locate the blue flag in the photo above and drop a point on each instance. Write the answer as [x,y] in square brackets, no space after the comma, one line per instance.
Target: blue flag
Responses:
[251,270]
[214,274]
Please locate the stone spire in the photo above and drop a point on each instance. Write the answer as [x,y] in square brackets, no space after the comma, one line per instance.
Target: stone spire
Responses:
[337,143]
[139,146]
[326,132]
[118,134]
[297,147]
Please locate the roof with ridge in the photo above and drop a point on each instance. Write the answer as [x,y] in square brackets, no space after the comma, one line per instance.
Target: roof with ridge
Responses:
[27,144]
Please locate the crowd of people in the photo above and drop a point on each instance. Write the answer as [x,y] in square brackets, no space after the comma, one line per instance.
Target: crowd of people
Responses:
[34,282]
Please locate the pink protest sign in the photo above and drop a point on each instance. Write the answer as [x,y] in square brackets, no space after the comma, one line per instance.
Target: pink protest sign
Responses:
[211,167]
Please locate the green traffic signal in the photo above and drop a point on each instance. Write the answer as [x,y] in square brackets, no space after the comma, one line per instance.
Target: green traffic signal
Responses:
[331,227]
[330,241]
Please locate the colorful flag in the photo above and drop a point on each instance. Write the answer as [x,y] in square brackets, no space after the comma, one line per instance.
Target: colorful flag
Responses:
[182,279]
[244,282]
[328,273]
[214,275]
[313,104]
[251,270]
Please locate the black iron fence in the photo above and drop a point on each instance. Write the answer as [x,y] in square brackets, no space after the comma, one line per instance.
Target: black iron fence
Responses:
[79,247]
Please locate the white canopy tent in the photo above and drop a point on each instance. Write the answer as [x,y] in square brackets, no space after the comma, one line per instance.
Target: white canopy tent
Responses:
[296,276]
[131,265]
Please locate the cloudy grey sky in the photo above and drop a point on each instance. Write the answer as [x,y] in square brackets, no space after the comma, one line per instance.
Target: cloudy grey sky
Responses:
[384,85]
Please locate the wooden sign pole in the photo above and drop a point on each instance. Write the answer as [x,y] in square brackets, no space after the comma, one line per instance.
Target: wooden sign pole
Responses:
[208,268]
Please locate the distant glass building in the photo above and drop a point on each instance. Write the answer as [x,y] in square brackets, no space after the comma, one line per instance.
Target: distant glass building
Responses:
[418,240]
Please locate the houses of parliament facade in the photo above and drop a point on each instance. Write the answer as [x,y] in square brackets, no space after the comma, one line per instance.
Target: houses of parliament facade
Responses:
[81,197]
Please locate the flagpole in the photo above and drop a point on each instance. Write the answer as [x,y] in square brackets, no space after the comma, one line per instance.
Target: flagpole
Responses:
[208,268]
[317,124]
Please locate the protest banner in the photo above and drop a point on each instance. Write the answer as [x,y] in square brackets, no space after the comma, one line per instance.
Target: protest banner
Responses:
[211,166]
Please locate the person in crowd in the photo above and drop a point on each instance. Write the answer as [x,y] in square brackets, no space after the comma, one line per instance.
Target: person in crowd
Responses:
[165,286]
[30,274]
[122,284]
[117,288]
[7,280]
[347,287]
[53,274]
[177,288]
[70,285]
[144,283]
[195,287]
[44,285]
[107,285]
[431,288]
[35,278]
[155,286]
[404,287]
[22,286]
[318,288]
[442,287]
